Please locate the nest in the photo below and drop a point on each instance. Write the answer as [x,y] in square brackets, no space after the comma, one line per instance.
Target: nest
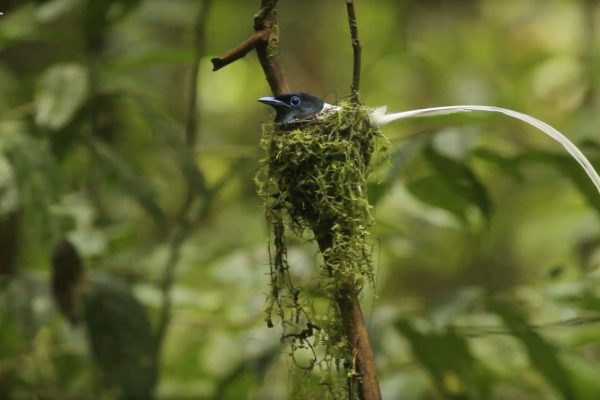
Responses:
[314,177]
[313,182]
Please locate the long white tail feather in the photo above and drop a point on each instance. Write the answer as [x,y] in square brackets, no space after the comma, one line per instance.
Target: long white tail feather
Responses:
[380,117]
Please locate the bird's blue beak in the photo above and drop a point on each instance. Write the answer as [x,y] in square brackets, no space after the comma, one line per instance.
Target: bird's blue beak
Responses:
[272,101]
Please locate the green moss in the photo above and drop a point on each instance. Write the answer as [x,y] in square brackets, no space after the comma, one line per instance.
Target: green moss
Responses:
[313,179]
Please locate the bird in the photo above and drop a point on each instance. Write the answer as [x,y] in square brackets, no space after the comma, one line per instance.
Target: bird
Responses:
[290,107]
[299,106]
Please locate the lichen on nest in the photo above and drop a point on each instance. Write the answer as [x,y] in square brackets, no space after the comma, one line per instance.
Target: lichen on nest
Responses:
[313,178]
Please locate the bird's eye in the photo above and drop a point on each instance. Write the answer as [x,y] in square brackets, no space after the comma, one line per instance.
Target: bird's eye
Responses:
[295,101]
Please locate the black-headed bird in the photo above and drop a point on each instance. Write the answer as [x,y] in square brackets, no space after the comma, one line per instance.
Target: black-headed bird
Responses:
[294,106]
[298,106]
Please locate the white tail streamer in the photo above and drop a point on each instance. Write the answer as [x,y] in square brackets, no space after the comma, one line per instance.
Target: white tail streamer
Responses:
[380,117]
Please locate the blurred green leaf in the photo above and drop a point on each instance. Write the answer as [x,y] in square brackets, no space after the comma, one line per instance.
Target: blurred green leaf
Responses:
[121,339]
[543,356]
[434,190]
[26,299]
[570,169]
[49,10]
[11,340]
[589,301]
[449,362]
[134,185]
[399,161]
[460,179]
[504,164]
[39,183]
[453,303]
[236,383]
[98,15]
[63,89]
[583,374]
[172,135]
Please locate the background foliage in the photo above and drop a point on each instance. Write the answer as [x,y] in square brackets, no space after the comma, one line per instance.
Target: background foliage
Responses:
[487,237]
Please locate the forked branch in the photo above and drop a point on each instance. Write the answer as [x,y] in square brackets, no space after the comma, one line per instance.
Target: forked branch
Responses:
[265,40]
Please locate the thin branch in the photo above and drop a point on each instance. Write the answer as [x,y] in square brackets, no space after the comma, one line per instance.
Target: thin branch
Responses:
[356,50]
[191,131]
[475,331]
[268,51]
[272,67]
[183,218]
[265,40]
[241,50]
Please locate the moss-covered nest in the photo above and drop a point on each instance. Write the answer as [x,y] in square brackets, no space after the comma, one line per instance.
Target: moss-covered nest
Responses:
[313,182]
[313,177]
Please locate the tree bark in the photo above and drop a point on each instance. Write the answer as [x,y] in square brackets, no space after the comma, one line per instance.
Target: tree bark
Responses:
[361,352]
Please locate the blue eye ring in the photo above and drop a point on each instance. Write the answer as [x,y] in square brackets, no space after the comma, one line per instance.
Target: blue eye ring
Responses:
[295,101]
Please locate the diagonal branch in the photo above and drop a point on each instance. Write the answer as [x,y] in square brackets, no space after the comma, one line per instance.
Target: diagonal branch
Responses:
[265,40]
[241,50]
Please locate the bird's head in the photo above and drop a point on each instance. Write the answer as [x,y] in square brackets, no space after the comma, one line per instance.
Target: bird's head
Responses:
[292,106]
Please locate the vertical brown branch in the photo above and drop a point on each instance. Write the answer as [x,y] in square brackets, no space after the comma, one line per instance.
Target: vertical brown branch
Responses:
[268,50]
[356,331]
[347,299]
[183,219]
[356,50]
[9,234]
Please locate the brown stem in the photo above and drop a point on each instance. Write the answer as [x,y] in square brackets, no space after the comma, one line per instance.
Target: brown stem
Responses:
[272,68]
[241,50]
[183,218]
[356,331]
[356,50]
[361,352]
[9,233]
[265,40]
